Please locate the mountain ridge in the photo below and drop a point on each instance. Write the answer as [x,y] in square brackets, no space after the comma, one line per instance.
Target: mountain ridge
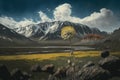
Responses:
[51,30]
[9,37]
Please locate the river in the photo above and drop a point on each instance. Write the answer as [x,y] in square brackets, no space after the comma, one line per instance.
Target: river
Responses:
[43,49]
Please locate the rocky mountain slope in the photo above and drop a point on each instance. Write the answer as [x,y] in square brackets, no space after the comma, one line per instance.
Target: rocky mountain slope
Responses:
[51,30]
[47,31]
[10,37]
[111,42]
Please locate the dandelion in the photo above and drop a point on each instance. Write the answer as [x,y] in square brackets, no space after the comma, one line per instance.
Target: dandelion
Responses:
[67,33]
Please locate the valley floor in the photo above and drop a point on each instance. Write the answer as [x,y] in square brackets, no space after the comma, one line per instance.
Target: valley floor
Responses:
[50,56]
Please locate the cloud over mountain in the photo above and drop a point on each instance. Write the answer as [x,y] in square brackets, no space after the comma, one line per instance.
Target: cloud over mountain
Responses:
[105,19]
[62,12]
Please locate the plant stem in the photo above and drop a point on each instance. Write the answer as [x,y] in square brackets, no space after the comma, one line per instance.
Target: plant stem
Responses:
[71,50]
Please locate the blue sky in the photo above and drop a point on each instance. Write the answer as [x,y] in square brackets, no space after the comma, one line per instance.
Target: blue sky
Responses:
[103,14]
[29,8]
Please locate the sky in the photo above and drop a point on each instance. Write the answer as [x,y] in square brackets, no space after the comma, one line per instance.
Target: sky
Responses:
[103,14]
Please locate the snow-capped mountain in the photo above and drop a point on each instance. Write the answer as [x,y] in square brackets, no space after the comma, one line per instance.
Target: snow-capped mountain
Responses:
[27,30]
[51,30]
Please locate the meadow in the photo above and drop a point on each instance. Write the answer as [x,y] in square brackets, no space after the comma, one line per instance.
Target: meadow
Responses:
[25,61]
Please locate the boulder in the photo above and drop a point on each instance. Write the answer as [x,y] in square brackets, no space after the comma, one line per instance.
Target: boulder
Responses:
[4,73]
[36,68]
[70,73]
[89,64]
[48,68]
[26,76]
[105,54]
[17,74]
[92,73]
[111,63]
[60,73]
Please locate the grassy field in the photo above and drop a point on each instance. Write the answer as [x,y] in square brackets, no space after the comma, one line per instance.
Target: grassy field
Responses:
[25,61]
[50,56]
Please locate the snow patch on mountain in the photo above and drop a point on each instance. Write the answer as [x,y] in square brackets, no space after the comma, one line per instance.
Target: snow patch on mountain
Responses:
[53,28]
[6,38]
[28,30]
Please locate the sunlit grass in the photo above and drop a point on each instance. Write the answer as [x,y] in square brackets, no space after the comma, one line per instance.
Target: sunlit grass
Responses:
[48,56]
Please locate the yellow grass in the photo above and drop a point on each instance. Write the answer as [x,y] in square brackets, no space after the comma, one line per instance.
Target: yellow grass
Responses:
[49,55]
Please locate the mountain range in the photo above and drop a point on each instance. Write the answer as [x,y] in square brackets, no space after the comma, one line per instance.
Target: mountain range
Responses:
[42,32]
[51,30]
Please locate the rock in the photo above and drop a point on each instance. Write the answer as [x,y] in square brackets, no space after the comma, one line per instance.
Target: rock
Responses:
[89,64]
[17,74]
[26,76]
[36,68]
[70,72]
[60,73]
[105,54]
[51,77]
[110,63]
[116,73]
[48,68]
[4,73]
[92,73]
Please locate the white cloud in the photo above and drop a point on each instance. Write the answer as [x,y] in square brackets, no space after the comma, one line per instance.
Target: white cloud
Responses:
[11,23]
[62,12]
[105,19]
[25,22]
[44,17]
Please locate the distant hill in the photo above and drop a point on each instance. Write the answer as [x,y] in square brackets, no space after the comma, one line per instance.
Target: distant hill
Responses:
[112,42]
